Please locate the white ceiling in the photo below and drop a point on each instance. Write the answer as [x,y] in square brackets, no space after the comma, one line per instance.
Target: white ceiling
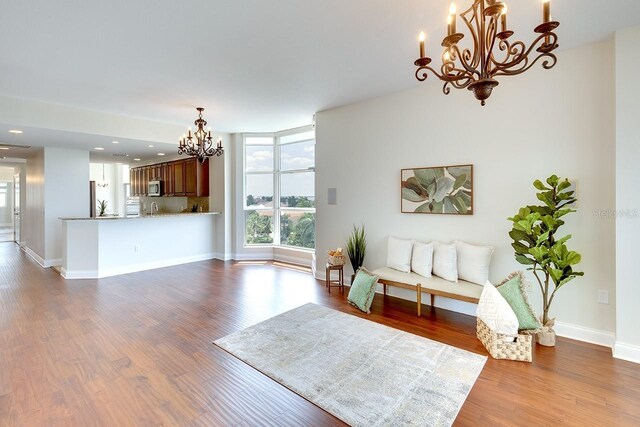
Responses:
[255,65]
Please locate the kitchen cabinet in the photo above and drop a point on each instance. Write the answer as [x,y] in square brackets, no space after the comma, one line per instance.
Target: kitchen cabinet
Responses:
[181,178]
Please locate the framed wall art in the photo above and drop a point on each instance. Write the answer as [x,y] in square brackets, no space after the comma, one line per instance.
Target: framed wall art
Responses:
[438,190]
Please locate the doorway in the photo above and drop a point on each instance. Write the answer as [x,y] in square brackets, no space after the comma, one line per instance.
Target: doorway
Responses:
[6,211]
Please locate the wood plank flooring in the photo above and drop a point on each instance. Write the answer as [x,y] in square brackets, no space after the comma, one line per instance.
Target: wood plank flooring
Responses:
[137,350]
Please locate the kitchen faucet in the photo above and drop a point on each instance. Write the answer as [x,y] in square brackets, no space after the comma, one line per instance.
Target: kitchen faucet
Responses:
[152,205]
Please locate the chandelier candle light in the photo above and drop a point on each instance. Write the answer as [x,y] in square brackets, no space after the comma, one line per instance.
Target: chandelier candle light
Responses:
[493,53]
[200,143]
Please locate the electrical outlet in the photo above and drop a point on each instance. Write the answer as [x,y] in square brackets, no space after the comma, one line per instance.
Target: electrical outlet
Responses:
[136,248]
[603,297]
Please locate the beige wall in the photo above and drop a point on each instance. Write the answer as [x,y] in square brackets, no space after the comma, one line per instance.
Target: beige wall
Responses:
[543,122]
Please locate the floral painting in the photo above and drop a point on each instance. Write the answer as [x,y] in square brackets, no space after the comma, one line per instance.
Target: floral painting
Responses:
[438,190]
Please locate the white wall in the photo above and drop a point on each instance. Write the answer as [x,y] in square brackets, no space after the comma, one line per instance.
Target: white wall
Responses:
[66,193]
[108,247]
[57,186]
[627,183]
[543,122]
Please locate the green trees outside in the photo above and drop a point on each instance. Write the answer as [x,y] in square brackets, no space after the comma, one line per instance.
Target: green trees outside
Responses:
[259,229]
[294,231]
[304,232]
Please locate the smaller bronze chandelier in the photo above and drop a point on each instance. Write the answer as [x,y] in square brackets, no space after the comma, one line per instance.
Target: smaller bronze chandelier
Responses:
[493,54]
[200,143]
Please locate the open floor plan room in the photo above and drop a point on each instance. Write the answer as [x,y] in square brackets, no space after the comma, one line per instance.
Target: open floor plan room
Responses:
[321,212]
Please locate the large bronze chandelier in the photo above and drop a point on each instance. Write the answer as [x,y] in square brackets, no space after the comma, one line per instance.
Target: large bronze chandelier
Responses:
[494,53]
[200,143]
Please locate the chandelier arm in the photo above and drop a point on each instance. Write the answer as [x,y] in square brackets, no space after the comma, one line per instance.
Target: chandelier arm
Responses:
[551,61]
[422,77]
[524,56]
[475,58]
[464,57]
[491,42]
[513,52]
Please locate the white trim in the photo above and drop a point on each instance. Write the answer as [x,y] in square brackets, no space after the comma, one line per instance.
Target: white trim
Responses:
[44,263]
[255,256]
[628,352]
[584,334]
[223,257]
[37,258]
[304,262]
[116,271]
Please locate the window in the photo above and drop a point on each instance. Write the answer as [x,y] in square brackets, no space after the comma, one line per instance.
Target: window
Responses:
[3,194]
[279,189]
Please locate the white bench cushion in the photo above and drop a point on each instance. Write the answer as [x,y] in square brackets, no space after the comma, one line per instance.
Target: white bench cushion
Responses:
[461,288]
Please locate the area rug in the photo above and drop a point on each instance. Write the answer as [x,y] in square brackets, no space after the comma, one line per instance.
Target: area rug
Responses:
[364,373]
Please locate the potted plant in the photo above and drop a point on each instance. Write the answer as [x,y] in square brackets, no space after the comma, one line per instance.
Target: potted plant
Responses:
[102,207]
[356,248]
[538,246]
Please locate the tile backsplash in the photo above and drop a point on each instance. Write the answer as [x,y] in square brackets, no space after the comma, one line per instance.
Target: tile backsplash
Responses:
[175,204]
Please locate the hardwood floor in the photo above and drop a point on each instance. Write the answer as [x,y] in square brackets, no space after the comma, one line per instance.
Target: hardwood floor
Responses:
[137,350]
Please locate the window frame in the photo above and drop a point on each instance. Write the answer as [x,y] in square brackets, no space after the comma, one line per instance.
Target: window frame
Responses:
[276,173]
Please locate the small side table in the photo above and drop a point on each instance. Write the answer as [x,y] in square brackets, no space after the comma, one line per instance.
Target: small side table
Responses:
[339,283]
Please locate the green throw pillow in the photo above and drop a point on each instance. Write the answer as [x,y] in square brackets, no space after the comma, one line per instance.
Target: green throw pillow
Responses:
[362,290]
[513,289]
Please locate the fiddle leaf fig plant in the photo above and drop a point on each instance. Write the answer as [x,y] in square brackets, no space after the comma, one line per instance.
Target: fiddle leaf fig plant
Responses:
[536,241]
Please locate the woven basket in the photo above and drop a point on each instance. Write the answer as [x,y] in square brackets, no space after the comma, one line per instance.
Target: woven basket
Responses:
[519,350]
[336,260]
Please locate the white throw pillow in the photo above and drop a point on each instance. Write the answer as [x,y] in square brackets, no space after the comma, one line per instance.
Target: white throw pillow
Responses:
[444,261]
[422,258]
[496,312]
[399,254]
[473,262]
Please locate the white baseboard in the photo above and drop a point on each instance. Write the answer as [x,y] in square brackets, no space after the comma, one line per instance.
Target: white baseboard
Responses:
[134,268]
[223,257]
[292,260]
[584,334]
[628,352]
[44,263]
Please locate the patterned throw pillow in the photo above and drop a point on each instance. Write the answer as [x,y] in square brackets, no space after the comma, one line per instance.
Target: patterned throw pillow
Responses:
[362,290]
[496,312]
[513,289]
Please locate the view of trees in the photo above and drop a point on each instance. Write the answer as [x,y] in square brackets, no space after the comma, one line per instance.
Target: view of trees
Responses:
[301,234]
[259,228]
[296,202]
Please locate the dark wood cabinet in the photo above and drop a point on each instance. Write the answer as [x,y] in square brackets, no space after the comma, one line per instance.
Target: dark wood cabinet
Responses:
[187,177]
[178,178]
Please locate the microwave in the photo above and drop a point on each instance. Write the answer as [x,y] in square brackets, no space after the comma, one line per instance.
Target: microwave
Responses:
[155,188]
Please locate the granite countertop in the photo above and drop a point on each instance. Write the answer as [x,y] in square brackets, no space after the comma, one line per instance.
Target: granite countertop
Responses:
[157,215]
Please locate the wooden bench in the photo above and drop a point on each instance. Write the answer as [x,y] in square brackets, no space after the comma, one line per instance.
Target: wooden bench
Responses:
[434,286]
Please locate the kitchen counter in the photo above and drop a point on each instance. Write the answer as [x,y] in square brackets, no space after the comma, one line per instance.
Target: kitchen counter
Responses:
[157,215]
[109,246]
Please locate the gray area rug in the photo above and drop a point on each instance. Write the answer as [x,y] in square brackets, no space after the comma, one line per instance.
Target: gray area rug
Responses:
[364,373]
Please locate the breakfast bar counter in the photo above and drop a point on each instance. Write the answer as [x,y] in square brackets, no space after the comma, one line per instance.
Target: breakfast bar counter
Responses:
[109,246]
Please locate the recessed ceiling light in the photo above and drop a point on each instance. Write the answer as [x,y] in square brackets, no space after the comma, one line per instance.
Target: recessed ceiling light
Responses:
[115,142]
[4,148]
[99,148]
[15,131]
[137,160]
[160,154]
[150,146]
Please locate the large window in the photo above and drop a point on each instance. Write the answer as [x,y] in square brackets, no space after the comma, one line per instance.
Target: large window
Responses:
[279,189]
